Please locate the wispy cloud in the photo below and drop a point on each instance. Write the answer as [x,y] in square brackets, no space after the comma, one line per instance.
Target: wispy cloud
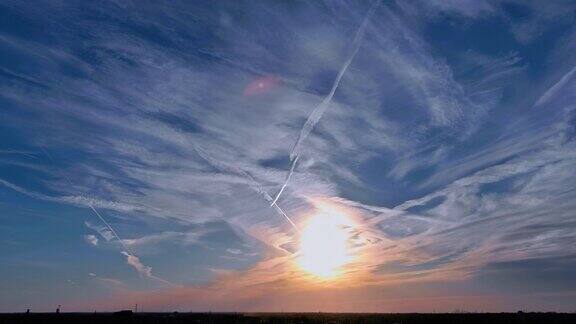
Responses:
[91,239]
[451,157]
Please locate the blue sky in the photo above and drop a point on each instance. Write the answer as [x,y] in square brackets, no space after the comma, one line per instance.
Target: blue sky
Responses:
[451,138]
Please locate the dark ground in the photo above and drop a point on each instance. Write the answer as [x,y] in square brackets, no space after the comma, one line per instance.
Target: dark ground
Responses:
[468,318]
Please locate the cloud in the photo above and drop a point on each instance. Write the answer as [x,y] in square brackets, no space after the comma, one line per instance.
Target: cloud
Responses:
[115,283]
[530,20]
[467,8]
[431,149]
[142,269]
[135,262]
[80,201]
[109,235]
[91,239]
[102,230]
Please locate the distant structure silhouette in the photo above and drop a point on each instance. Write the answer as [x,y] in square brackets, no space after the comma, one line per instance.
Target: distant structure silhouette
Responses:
[123,313]
[58,309]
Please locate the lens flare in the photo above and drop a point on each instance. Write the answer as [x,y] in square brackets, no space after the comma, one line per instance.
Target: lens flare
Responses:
[324,245]
[262,85]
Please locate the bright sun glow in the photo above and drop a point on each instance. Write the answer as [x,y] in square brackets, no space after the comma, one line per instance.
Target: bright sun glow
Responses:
[323,245]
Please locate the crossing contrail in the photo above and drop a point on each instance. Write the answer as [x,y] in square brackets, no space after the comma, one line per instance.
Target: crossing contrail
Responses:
[319,110]
[253,183]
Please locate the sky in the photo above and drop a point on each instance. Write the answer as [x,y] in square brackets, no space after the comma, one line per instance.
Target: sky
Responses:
[143,145]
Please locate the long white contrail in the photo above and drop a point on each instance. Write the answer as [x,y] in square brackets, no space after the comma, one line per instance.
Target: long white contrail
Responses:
[321,108]
[253,183]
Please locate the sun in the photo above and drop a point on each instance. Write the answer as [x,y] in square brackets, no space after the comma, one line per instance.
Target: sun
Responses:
[324,245]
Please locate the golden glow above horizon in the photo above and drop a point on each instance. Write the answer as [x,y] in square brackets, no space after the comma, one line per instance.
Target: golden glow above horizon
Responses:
[324,244]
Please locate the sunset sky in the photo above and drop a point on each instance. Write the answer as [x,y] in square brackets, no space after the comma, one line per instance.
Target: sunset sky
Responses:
[432,144]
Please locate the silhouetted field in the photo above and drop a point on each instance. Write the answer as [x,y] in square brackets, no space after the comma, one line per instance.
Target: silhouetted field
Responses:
[468,318]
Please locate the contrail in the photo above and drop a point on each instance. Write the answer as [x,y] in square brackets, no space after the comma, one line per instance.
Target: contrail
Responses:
[253,183]
[111,230]
[96,213]
[555,87]
[321,108]
[132,259]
